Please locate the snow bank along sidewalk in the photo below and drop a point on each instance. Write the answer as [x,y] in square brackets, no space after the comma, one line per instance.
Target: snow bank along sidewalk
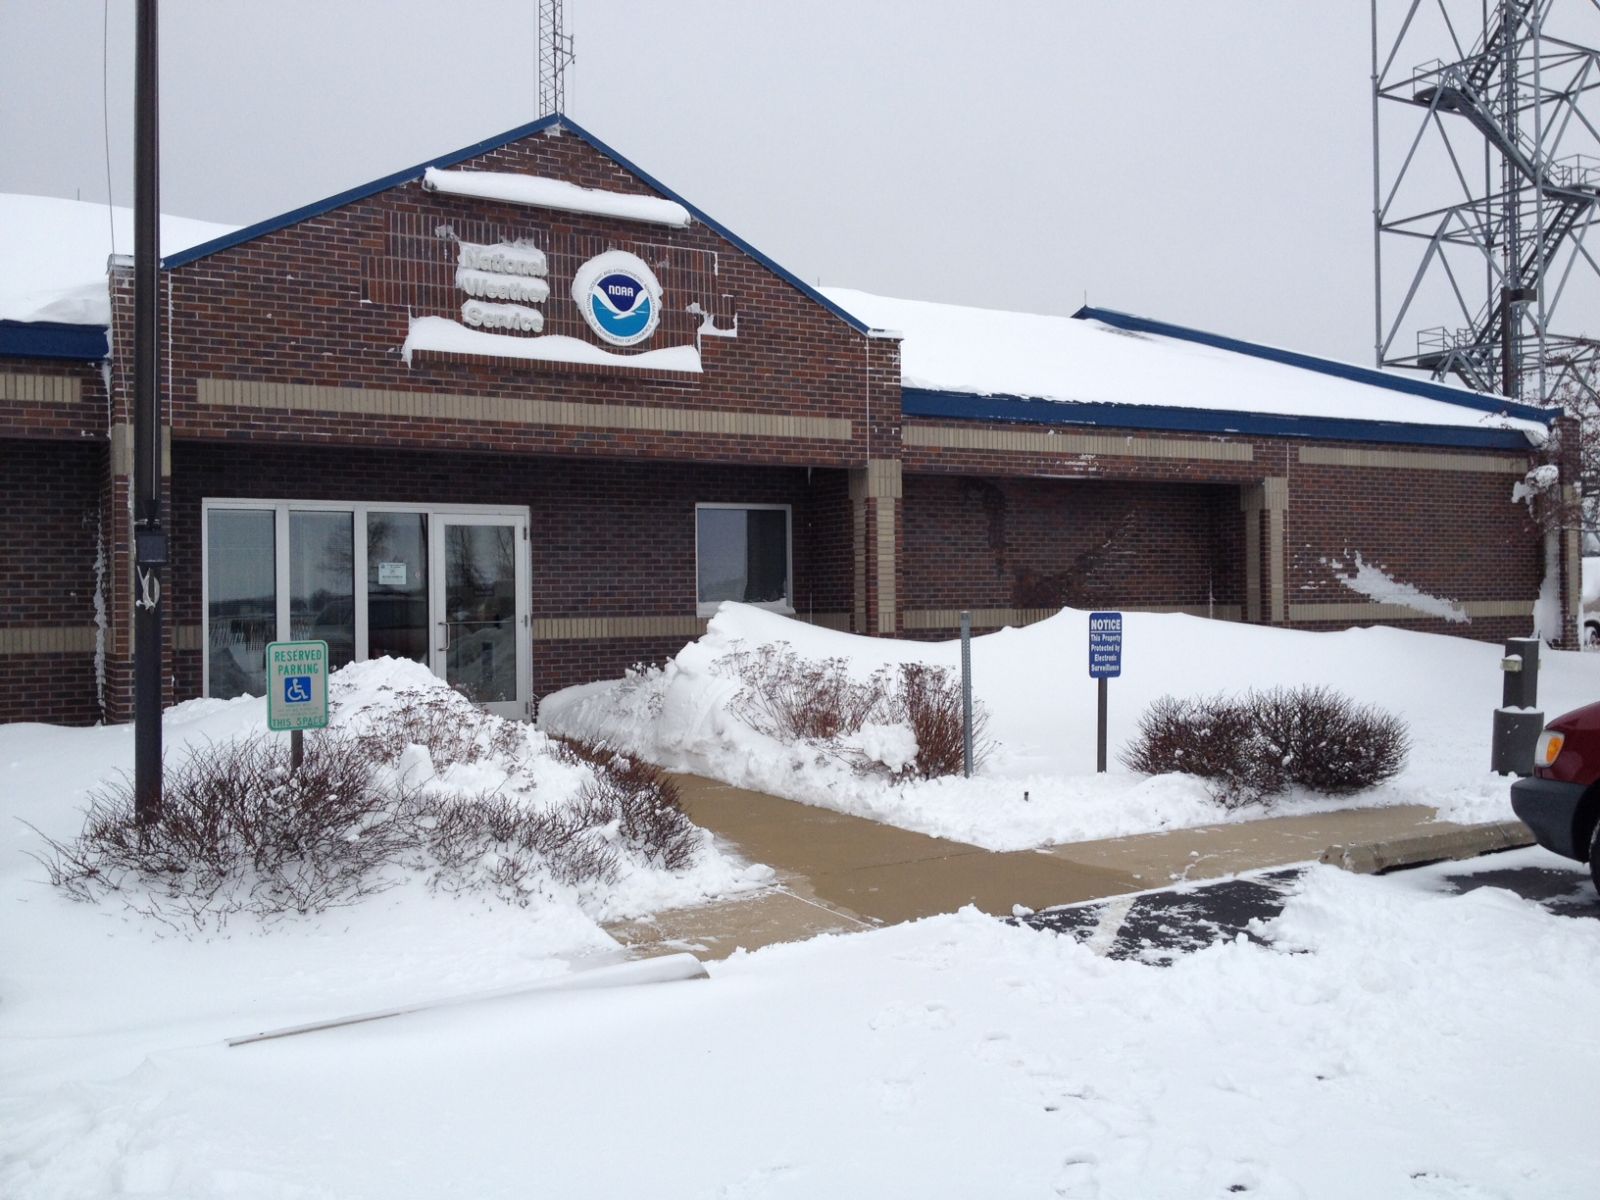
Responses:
[1037,786]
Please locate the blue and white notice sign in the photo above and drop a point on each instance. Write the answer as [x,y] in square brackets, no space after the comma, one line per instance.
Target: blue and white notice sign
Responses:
[1105,645]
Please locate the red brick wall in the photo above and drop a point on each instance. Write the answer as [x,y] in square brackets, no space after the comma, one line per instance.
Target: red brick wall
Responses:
[1025,543]
[50,498]
[328,301]
[31,419]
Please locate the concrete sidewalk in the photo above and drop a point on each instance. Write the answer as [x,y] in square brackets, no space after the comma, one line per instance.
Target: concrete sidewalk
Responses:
[838,873]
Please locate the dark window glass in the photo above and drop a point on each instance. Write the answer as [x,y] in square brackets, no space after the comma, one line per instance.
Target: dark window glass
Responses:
[743,555]
[397,585]
[480,579]
[242,600]
[322,600]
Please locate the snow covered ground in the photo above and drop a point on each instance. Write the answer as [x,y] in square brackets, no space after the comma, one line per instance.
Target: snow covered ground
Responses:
[1392,1041]
[1409,1048]
[1039,785]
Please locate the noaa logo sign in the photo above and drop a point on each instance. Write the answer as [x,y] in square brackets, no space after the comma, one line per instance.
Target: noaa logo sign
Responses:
[619,296]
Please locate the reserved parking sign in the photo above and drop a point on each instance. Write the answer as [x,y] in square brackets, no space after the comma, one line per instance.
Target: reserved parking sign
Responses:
[297,685]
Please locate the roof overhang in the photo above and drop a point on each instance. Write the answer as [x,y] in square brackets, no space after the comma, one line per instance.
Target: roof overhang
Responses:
[1023,410]
[49,339]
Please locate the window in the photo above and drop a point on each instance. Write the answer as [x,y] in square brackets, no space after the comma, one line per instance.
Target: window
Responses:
[370,580]
[742,553]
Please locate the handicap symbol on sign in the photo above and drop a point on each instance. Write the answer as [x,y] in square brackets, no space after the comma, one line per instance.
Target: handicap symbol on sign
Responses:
[297,689]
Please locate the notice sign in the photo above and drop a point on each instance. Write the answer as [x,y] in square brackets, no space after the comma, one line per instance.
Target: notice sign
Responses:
[1105,645]
[297,685]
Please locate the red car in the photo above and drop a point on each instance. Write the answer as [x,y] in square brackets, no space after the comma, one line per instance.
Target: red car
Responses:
[1560,801]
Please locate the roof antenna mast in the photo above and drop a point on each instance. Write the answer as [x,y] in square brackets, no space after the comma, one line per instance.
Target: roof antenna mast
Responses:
[555,52]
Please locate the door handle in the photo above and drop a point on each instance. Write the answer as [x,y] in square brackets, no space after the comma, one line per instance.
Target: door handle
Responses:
[445,626]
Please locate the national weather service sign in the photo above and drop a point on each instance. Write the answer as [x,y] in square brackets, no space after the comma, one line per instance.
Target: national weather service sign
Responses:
[619,296]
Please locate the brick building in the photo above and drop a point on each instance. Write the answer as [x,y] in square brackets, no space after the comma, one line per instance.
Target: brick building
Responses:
[526,415]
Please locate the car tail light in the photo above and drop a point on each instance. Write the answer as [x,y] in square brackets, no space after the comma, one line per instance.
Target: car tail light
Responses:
[1549,748]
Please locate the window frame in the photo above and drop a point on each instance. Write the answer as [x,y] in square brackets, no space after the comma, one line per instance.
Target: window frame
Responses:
[704,608]
[358,510]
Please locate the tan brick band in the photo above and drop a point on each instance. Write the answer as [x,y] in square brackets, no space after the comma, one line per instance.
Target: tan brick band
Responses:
[1022,441]
[996,618]
[884,481]
[575,629]
[518,410]
[48,639]
[41,389]
[1359,611]
[188,637]
[1412,460]
[122,450]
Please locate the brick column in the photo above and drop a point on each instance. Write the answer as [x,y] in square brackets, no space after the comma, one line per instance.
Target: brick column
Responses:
[875,503]
[1269,497]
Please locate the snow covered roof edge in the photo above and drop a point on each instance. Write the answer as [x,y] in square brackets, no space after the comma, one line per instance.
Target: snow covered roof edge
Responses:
[1036,410]
[53,339]
[351,195]
[1323,366]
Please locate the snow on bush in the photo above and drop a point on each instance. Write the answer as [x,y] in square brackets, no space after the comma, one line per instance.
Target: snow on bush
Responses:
[1250,749]
[903,722]
[410,778]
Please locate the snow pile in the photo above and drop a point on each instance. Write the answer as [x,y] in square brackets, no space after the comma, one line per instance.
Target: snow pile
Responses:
[441,335]
[1038,786]
[538,192]
[957,1056]
[434,757]
[952,348]
[1377,585]
[55,254]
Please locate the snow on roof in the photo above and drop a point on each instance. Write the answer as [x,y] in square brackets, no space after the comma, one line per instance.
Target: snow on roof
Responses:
[987,352]
[539,192]
[53,255]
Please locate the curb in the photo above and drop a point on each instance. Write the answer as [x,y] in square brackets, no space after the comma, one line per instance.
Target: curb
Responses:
[1469,841]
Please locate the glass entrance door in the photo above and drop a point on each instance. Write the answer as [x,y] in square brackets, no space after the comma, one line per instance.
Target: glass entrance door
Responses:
[480,609]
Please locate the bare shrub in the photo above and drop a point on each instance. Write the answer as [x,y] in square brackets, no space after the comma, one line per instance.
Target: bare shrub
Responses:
[1251,749]
[238,832]
[450,727]
[1214,738]
[496,840]
[797,699]
[644,802]
[930,698]
[819,703]
[1328,743]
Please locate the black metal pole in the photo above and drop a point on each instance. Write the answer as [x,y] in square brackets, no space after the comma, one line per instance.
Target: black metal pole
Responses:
[1100,730]
[149,539]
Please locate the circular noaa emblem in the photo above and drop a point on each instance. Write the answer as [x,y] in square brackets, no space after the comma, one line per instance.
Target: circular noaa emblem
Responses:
[619,297]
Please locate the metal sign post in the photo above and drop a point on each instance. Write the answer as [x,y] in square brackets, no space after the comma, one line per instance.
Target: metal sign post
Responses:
[1105,662]
[297,691]
[966,694]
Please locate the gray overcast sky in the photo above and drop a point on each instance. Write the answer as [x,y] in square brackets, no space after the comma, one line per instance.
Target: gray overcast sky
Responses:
[1201,162]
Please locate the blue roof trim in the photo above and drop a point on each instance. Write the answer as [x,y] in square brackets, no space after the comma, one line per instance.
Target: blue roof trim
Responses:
[1323,366]
[317,208]
[48,339]
[965,406]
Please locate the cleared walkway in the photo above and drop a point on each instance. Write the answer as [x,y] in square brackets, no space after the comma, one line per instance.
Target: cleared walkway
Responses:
[838,873]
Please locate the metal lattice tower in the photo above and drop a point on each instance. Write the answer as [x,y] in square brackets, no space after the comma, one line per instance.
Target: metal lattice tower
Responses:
[555,53]
[1486,184]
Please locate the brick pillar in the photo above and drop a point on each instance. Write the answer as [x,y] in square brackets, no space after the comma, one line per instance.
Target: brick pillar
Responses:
[1265,503]
[876,497]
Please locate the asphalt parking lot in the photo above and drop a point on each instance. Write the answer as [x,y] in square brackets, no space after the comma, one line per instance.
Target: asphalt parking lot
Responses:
[1157,927]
